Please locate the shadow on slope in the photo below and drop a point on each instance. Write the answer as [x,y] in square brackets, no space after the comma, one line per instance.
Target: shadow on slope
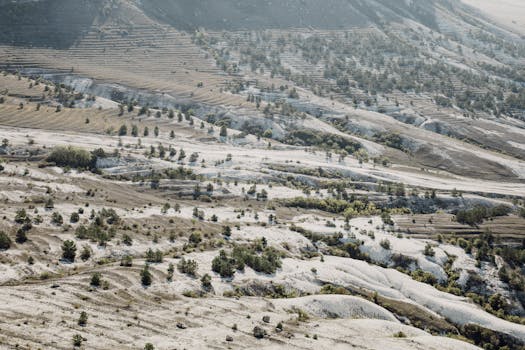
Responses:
[265,14]
[47,23]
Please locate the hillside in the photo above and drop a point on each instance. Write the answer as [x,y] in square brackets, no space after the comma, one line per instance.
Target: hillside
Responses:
[77,15]
[256,15]
[126,45]
[52,23]
[293,174]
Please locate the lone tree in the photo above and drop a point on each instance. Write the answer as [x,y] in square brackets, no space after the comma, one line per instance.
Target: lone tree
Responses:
[145,276]
[74,218]
[206,283]
[82,321]
[85,254]
[96,279]
[259,333]
[134,131]
[57,219]
[50,204]
[21,236]
[429,251]
[224,131]
[5,241]
[69,251]
[123,130]
[227,231]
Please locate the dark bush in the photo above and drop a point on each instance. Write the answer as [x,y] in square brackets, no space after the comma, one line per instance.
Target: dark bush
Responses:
[5,241]
[145,276]
[69,250]
[258,332]
[223,265]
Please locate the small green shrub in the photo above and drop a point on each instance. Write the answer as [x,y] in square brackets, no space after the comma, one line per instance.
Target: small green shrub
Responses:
[146,277]
[69,250]
[5,241]
[82,321]
[188,267]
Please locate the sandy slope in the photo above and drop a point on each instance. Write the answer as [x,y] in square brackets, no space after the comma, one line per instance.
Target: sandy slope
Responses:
[337,306]
[127,316]
[253,158]
[394,284]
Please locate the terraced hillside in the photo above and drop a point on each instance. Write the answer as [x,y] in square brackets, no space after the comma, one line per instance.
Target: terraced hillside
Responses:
[165,191]
[124,47]
[230,175]
[127,55]
[56,24]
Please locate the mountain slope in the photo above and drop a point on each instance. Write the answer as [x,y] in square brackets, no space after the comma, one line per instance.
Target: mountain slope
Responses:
[256,14]
[398,59]
[302,174]
[59,23]
[50,23]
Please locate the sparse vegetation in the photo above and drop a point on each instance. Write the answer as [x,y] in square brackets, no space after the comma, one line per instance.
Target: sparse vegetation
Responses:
[257,256]
[355,143]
